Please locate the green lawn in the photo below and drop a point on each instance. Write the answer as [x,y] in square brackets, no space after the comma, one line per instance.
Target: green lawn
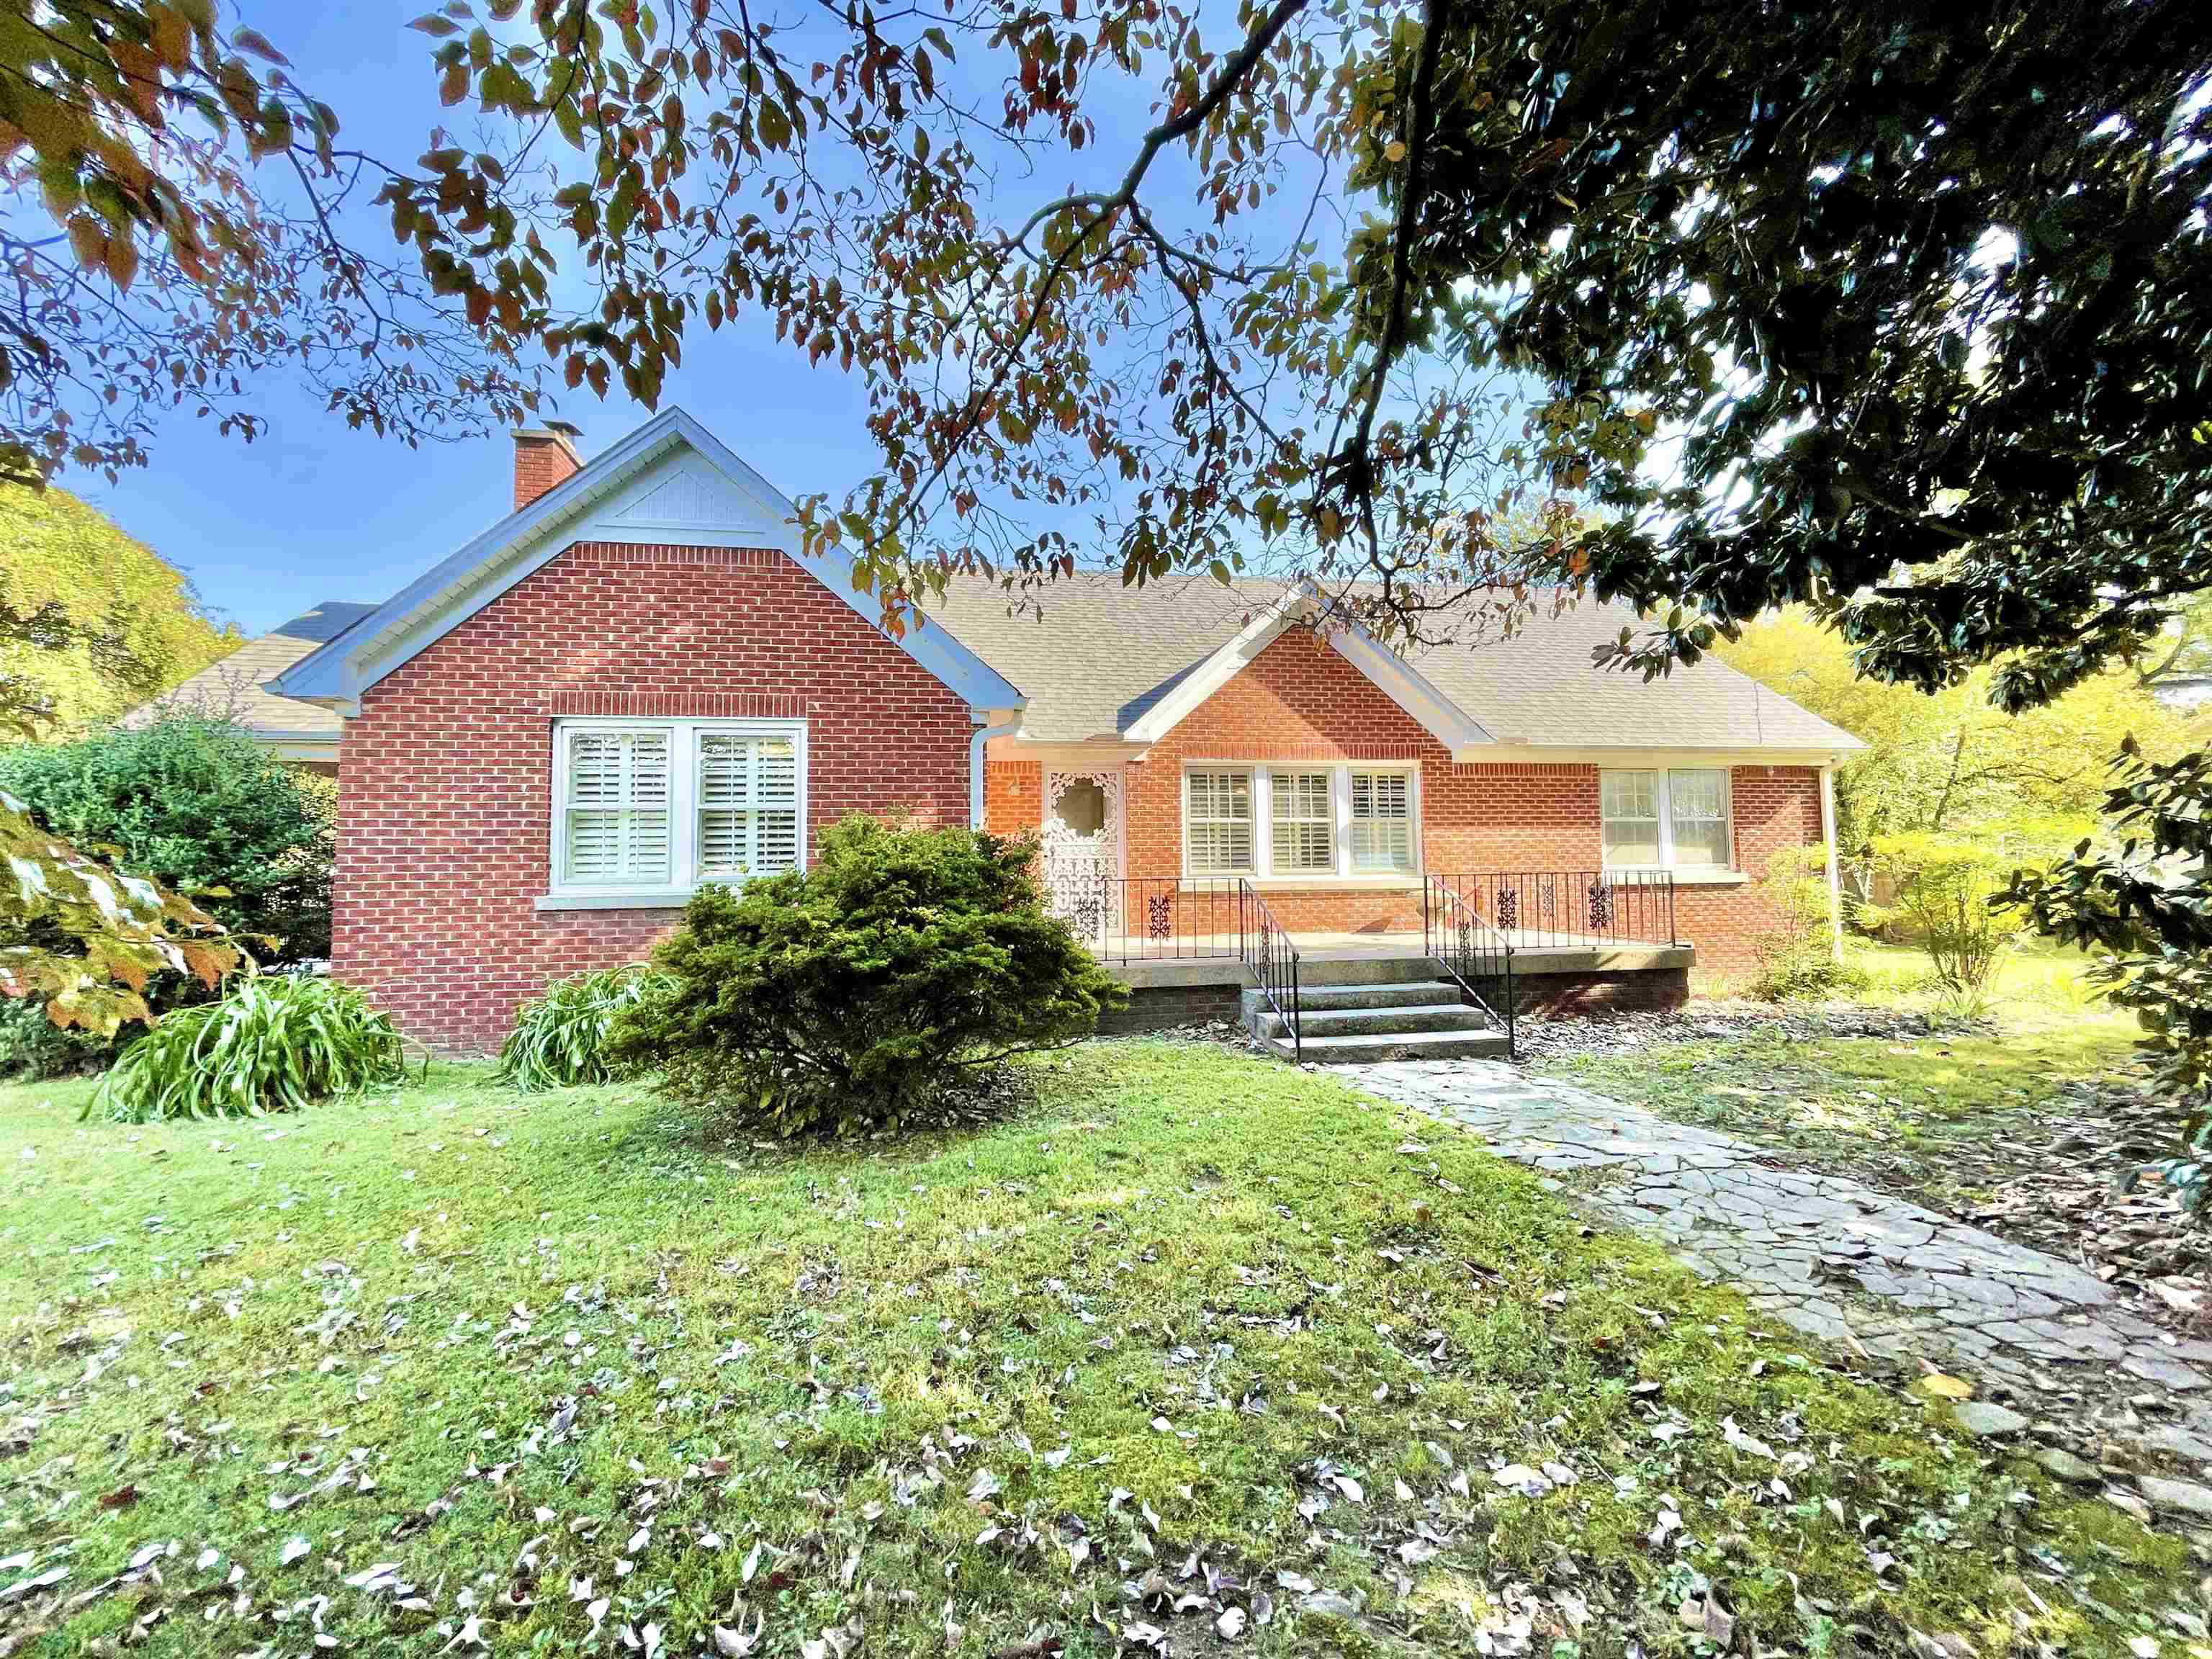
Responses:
[454,1367]
[2039,1110]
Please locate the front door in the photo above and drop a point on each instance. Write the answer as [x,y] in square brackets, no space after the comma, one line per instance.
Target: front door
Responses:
[1083,851]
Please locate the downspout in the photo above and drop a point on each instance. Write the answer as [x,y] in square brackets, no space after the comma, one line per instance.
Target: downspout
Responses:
[975,744]
[1835,885]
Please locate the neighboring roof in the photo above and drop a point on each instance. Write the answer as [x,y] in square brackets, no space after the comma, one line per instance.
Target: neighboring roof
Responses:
[231,687]
[669,480]
[1102,655]
[324,622]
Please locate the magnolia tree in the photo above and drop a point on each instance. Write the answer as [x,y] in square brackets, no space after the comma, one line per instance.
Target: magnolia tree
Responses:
[84,939]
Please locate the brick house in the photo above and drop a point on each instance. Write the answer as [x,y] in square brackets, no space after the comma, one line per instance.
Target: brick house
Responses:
[638,681]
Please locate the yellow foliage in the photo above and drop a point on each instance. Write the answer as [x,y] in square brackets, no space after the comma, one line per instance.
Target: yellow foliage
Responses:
[55,549]
[1951,761]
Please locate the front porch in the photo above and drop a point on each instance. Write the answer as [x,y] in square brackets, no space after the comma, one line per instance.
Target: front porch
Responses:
[1578,941]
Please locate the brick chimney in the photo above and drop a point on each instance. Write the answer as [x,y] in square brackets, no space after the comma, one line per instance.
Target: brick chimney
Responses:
[544,456]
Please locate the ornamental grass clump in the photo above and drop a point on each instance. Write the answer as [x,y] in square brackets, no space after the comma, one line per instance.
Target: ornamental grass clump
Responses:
[275,1042]
[560,1038]
[861,993]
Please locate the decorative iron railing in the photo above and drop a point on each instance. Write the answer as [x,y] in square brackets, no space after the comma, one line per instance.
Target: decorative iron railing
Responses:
[1477,956]
[1274,960]
[1543,908]
[1149,919]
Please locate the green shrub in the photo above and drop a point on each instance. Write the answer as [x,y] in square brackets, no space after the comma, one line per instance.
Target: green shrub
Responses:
[33,1048]
[274,1043]
[198,805]
[856,993]
[1796,954]
[559,1039]
[1949,894]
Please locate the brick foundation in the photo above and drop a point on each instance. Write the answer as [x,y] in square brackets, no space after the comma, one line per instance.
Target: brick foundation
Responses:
[1162,1008]
[1559,996]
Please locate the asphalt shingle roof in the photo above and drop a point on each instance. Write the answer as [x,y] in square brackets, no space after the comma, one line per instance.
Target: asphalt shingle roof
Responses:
[232,686]
[1101,653]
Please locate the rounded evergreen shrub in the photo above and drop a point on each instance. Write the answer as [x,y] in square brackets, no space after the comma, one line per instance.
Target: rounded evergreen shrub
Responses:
[199,805]
[274,1043]
[855,995]
[560,1038]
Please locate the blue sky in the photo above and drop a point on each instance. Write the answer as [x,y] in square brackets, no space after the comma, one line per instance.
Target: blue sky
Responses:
[314,511]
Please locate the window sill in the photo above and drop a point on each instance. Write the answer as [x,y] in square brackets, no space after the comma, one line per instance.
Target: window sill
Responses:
[669,898]
[1688,878]
[1393,884]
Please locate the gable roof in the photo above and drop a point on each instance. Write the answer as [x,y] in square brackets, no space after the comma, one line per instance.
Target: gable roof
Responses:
[231,686]
[1104,661]
[1160,711]
[670,480]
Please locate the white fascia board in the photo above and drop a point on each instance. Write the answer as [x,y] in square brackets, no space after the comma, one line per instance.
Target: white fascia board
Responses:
[435,604]
[1217,670]
[1643,756]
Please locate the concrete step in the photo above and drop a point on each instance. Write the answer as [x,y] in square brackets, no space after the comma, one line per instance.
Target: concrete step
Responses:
[1417,1045]
[1412,993]
[1323,968]
[1356,1022]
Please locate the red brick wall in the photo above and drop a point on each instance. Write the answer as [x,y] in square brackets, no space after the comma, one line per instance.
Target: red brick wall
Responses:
[444,778]
[1013,797]
[1774,807]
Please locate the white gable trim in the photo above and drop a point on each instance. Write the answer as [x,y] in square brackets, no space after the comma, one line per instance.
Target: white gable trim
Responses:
[668,481]
[1444,719]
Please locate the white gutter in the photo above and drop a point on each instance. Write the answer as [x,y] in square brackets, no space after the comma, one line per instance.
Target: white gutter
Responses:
[1835,885]
[983,735]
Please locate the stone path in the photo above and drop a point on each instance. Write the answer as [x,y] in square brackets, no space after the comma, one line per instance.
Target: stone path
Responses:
[1831,1256]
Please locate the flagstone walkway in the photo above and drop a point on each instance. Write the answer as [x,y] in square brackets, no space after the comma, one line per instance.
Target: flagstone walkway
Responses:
[1831,1256]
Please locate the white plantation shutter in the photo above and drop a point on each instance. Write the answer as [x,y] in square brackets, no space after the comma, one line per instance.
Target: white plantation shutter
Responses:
[615,833]
[1304,824]
[748,805]
[1381,821]
[1218,821]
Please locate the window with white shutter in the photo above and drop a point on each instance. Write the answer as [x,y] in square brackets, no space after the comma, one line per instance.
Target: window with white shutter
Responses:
[748,799]
[1218,821]
[650,809]
[616,816]
[1304,822]
[1382,821]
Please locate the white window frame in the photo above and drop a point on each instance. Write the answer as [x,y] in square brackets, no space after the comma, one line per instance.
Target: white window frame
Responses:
[1261,775]
[1664,789]
[1331,812]
[684,737]
[1255,786]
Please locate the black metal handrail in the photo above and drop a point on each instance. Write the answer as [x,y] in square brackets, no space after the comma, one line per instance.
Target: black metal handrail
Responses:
[1274,960]
[1476,955]
[1547,908]
[1151,919]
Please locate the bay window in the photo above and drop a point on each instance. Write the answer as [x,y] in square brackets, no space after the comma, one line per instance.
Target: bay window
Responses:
[1673,820]
[652,809]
